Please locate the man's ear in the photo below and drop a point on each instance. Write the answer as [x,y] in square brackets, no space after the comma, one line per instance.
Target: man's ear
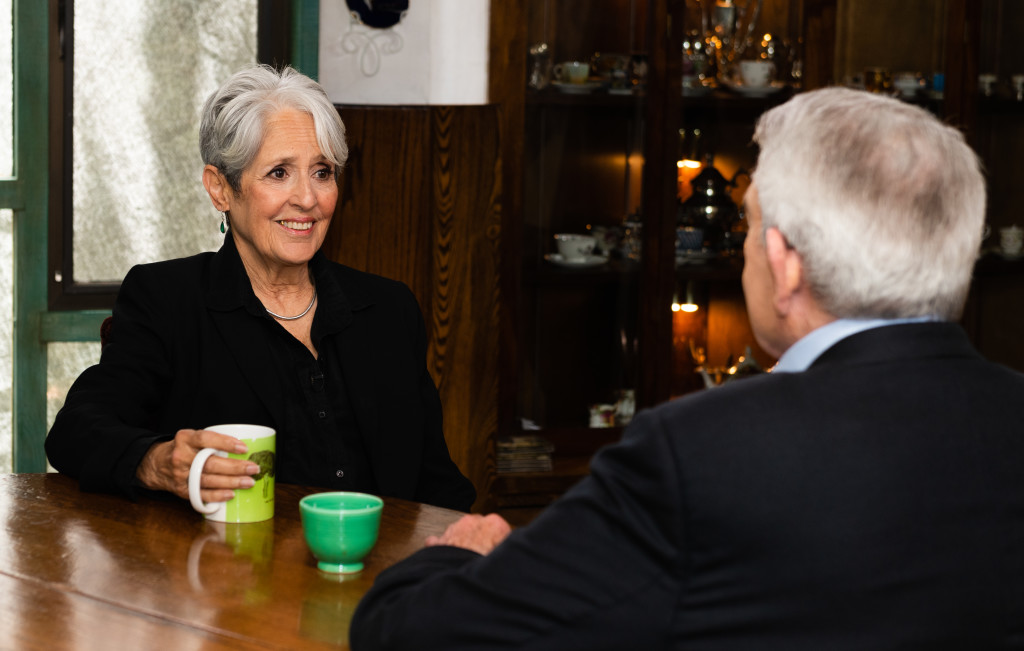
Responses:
[218,189]
[787,269]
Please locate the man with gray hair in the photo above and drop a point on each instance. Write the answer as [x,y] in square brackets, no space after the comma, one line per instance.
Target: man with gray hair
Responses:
[866,494]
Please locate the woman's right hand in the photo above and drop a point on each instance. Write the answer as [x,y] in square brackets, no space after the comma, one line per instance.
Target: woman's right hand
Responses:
[166,465]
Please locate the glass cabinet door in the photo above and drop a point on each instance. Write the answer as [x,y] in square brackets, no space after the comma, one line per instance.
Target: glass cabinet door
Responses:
[583,159]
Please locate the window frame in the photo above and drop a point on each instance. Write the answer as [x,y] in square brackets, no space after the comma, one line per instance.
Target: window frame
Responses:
[45,310]
[279,22]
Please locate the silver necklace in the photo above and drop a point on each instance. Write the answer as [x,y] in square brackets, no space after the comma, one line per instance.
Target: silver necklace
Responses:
[297,316]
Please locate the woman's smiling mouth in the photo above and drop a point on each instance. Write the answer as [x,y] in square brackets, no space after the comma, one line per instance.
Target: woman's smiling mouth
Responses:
[297,226]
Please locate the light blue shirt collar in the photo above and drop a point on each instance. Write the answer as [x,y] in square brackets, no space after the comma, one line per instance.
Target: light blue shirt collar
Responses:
[802,354]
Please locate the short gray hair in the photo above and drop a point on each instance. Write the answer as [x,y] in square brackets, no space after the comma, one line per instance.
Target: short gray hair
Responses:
[235,117]
[884,203]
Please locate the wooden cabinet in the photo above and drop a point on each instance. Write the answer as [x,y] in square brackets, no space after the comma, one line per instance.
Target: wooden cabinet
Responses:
[995,127]
[600,161]
[575,337]
[462,204]
[580,161]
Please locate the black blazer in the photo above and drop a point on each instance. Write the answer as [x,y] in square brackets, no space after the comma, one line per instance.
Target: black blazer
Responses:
[874,501]
[185,352]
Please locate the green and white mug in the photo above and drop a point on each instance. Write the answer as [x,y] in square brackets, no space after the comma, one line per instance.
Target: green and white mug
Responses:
[249,504]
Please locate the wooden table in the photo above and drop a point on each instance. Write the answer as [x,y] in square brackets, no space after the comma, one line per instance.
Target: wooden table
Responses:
[90,571]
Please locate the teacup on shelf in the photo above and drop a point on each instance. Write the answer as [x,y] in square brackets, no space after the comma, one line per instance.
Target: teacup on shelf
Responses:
[907,83]
[573,72]
[756,73]
[574,247]
[987,83]
[1011,240]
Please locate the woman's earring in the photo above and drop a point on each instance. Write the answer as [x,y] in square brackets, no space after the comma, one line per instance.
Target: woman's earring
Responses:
[224,222]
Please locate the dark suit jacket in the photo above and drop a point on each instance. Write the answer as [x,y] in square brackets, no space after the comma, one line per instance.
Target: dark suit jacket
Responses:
[874,501]
[184,352]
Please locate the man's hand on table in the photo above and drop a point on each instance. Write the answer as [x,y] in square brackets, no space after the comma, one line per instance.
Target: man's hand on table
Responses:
[478,533]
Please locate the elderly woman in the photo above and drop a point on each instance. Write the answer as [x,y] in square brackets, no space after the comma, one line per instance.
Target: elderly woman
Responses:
[266,331]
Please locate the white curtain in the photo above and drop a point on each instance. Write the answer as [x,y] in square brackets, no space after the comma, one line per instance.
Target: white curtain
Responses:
[142,69]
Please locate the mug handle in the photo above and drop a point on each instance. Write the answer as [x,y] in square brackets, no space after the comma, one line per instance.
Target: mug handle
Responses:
[195,473]
[195,551]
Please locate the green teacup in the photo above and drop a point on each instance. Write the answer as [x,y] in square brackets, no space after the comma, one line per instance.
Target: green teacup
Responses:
[340,528]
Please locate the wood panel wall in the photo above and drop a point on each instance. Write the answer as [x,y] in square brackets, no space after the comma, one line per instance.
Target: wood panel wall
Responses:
[507,51]
[420,203]
[819,34]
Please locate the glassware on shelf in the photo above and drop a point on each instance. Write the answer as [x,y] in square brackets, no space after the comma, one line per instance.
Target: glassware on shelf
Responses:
[796,63]
[783,53]
[689,346]
[698,65]
[612,69]
[987,83]
[908,84]
[540,66]
[632,241]
[877,80]
[625,408]
[638,71]
[690,161]
[711,206]
[617,414]
[745,366]
[732,24]
[602,415]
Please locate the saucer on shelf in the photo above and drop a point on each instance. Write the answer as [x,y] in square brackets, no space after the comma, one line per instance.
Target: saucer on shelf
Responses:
[589,261]
[577,89]
[754,91]
[696,91]
[695,256]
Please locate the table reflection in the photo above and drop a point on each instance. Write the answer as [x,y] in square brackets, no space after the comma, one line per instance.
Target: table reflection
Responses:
[236,562]
[84,568]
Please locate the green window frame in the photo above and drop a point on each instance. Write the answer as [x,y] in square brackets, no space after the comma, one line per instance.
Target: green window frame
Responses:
[27,195]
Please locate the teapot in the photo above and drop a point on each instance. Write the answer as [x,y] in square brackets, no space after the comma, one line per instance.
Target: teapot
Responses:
[710,207]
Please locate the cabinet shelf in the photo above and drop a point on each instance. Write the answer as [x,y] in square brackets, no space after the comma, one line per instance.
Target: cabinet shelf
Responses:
[724,99]
[994,264]
[1000,105]
[600,97]
[726,267]
[574,447]
[547,274]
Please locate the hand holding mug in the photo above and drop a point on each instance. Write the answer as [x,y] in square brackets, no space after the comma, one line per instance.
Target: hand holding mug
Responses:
[166,465]
[253,503]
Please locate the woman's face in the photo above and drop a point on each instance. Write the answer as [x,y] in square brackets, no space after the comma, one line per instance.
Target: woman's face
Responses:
[280,216]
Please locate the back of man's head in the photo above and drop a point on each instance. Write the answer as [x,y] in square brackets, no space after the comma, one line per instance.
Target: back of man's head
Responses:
[884,203]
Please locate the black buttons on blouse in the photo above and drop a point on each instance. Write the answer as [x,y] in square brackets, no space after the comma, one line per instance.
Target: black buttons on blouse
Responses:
[340,474]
